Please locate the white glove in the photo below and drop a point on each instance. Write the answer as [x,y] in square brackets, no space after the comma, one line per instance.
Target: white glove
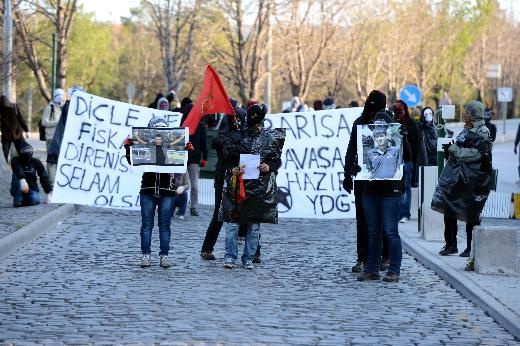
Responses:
[180,190]
[24,186]
[49,198]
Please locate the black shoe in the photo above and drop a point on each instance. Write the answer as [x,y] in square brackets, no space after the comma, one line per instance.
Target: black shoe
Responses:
[208,256]
[17,204]
[391,277]
[384,265]
[448,250]
[465,253]
[368,277]
[359,267]
[194,212]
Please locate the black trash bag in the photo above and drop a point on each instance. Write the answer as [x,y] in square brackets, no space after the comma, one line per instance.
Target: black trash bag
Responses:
[260,204]
[429,137]
[464,187]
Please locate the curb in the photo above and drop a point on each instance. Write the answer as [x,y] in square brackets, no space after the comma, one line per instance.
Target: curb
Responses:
[501,314]
[28,233]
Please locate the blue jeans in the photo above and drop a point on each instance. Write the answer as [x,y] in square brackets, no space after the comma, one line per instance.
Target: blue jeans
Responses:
[25,199]
[406,200]
[382,214]
[180,201]
[252,236]
[164,205]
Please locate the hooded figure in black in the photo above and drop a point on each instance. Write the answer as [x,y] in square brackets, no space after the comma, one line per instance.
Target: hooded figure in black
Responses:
[251,201]
[429,135]
[24,184]
[375,102]
[12,126]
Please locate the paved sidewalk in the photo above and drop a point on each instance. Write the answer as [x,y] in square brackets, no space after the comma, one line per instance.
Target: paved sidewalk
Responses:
[500,294]
[81,283]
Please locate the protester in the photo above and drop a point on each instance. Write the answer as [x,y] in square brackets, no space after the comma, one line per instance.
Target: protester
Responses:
[235,123]
[465,181]
[12,125]
[24,183]
[411,166]
[180,201]
[158,191]
[375,102]
[381,200]
[295,103]
[163,104]
[51,116]
[197,158]
[317,105]
[353,104]
[429,135]
[250,201]
[53,152]
[328,103]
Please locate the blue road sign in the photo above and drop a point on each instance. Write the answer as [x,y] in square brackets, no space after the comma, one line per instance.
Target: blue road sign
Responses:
[411,95]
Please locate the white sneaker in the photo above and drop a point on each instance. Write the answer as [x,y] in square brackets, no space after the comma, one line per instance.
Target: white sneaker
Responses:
[145,261]
[181,217]
[249,265]
[229,263]
[404,220]
[165,262]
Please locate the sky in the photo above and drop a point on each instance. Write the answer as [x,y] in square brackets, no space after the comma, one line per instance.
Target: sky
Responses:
[112,10]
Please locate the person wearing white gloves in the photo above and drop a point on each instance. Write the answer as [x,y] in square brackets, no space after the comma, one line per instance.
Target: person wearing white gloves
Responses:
[182,182]
[24,183]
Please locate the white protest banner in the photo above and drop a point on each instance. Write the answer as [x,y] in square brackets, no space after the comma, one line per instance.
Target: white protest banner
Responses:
[92,167]
[313,158]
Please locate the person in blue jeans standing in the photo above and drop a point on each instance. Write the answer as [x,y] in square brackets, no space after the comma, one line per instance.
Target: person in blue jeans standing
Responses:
[158,191]
[381,199]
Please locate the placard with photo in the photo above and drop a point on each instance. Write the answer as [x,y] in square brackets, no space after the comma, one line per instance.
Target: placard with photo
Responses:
[380,152]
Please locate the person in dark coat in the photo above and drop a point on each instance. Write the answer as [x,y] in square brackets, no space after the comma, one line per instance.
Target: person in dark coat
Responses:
[375,102]
[411,168]
[12,125]
[197,158]
[429,135]
[24,183]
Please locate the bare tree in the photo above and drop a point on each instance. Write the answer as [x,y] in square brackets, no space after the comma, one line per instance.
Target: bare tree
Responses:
[61,14]
[175,22]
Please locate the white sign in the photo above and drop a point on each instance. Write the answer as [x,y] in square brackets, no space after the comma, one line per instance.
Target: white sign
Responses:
[313,158]
[250,162]
[505,94]
[92,168]
[494,71]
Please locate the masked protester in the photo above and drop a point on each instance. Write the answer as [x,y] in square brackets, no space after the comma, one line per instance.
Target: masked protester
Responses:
[235,124]
[158,191]
[51,116]
[381,199]
[250,201]
[465,181]
[429,135]
[12,126]
[411,167]
[53,151]
[375,102]
[24,183]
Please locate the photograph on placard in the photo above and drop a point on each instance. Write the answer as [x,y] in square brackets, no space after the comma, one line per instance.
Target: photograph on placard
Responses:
[380,152]
[158,146]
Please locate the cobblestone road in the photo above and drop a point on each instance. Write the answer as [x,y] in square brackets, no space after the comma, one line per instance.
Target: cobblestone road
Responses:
[81,283]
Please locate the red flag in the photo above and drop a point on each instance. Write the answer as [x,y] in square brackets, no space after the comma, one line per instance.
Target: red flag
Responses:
[241,190]
[213,99]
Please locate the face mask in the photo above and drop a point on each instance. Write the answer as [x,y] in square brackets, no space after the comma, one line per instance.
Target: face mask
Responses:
[428,115]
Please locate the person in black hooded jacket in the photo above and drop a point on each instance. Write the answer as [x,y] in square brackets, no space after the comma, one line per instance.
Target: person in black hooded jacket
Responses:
[375,102]
[12,126]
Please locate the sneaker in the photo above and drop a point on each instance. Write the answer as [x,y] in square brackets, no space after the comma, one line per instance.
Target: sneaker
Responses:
[391,277]
[165,261]
[249,265]
[368,277]
[448,250]
[181,217]
[229,263]
[256,257]
[194,212]
[404,220]
[145,261]
[359,267]
[465,253]
[208,256]
[385,264]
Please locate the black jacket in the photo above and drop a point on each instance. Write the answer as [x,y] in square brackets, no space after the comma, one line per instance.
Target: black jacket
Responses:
[12,123]
[200,145]
[54,149]
[158,184]
[30,172]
